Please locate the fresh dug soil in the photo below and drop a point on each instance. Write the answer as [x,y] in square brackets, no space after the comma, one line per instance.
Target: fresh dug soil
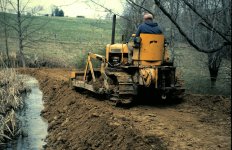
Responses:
[81,120]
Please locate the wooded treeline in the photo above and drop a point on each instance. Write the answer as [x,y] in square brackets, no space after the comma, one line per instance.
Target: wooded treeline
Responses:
[203,24]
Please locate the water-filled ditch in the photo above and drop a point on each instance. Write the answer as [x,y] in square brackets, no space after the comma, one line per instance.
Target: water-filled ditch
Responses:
[34,127]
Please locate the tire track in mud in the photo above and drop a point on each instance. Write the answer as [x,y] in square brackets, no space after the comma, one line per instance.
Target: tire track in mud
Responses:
[80,121]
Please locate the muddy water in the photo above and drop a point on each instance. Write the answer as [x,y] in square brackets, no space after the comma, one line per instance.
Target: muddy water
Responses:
[34,127]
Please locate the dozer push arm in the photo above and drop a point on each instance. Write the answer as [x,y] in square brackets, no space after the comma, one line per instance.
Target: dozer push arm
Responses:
[89,64]
[96,56]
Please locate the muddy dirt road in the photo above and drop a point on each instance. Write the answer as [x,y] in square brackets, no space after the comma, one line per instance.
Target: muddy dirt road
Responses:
[78,120]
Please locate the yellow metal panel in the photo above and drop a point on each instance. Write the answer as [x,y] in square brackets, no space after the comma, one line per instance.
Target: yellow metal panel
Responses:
[151,49]
[73,75]
[122,47]
[119,48]
[125,48]
[148,63]
[107,52]
[135,54]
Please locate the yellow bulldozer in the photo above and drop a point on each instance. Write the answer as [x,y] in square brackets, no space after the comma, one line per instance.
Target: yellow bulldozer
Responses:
[128,67]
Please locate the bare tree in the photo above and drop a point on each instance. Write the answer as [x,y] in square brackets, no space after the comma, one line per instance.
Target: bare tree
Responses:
[3,8]
[20,34]
[23,23]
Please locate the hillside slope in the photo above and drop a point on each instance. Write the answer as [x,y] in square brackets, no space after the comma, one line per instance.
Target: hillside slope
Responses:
[61,41]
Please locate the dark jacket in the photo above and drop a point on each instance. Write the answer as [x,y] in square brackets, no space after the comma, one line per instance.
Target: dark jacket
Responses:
[148,27]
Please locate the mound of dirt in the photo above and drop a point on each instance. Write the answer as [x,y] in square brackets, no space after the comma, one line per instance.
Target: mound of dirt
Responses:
[75,123]
[81,121]
[210,103]
[217,109]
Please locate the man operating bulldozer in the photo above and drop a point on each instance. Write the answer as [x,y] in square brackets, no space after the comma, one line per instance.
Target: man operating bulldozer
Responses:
[148,26]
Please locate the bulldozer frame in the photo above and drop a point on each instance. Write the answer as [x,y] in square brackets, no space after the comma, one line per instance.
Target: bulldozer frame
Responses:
[121,80]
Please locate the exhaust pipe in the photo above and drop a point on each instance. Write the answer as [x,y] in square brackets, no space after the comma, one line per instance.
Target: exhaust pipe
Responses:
[113,29]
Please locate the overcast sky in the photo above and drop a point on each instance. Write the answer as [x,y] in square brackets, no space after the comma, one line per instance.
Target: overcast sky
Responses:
[86,8]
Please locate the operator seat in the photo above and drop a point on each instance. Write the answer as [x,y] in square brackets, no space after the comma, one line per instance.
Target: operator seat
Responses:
[151,49]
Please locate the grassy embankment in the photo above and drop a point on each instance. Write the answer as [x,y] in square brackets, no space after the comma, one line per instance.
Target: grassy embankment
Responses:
[11,87]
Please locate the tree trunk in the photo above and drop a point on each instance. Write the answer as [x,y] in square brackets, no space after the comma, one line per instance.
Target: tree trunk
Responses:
[6,42]
[22,59]
[7,47]
[224,12]
[214,61]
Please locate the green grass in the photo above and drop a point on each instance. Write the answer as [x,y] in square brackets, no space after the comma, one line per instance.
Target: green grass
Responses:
[195,73]
[77,30]
[67,40]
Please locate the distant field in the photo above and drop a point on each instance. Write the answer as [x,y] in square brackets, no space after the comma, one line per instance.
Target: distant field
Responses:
[66,39]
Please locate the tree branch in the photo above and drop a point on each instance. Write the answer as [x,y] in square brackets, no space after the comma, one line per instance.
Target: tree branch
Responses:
[109,10]
[205,20]
[140,6]
[12,5]
[33,31]
[8,24]
[24,7]
[185,35]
